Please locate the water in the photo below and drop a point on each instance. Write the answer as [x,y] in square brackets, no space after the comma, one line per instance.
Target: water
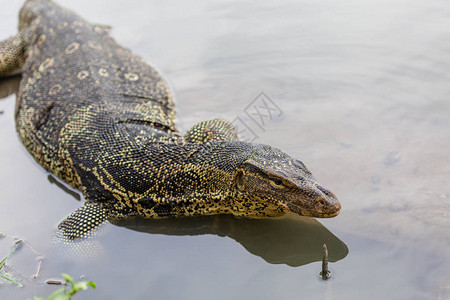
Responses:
[363,87]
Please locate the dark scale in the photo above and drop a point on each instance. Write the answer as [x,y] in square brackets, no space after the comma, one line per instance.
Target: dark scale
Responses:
[103,120]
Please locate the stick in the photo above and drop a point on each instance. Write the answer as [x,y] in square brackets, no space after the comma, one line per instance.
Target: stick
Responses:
[325,272]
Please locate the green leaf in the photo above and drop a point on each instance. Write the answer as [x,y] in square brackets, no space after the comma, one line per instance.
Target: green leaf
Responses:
[67,278]
[10,253]
[83,285]
[10,279]
[61,297]
[56,293]
[92,284]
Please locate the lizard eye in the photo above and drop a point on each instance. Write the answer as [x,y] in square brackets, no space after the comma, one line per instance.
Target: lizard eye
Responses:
[276,183]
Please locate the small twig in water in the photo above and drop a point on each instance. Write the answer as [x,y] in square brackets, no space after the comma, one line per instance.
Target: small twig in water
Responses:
[54,282]
[38,268]
[326,274]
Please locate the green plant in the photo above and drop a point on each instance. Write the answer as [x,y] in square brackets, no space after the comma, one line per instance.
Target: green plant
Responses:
[67,292]
[4,274]
[4,269]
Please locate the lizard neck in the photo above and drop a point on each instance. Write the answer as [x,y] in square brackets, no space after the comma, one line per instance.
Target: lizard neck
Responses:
[192,178]
[203,168]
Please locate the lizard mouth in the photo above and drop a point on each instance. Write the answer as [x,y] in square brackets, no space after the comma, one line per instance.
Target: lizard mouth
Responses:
[302,211]
[331,211]
[324,206]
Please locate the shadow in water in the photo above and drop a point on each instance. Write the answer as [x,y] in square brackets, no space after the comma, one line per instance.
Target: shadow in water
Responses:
[290,240]
[52,179]
[9,86]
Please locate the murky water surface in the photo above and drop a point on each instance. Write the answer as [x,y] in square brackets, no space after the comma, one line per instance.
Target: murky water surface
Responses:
[361,91]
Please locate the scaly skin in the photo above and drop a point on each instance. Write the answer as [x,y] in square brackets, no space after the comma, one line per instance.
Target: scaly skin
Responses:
[101,119]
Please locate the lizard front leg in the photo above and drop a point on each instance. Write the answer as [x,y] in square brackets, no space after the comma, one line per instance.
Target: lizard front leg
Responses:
[212,131]
[12,55]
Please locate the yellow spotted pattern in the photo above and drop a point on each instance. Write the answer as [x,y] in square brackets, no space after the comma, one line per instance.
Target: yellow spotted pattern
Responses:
[103,120]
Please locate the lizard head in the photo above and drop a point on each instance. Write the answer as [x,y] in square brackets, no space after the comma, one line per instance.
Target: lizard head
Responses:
[273,183]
